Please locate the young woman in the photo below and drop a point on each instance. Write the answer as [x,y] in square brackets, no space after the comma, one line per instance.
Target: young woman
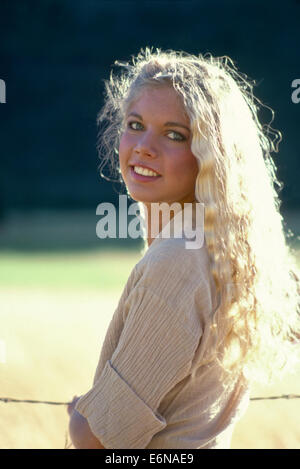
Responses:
[194,327]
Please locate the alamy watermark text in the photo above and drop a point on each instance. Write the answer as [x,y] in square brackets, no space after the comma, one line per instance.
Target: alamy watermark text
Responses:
[2,91]
[296,93]
[163,221]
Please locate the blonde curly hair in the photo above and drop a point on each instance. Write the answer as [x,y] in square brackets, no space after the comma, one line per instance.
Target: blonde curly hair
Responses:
[253,266]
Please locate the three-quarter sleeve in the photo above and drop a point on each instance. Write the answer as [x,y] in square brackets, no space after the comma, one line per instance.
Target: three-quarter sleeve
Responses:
[153,354]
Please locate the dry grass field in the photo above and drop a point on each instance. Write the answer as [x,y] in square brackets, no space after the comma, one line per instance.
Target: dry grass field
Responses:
[55,310]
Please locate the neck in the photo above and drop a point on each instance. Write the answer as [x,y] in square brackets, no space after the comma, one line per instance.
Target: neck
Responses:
[157,221]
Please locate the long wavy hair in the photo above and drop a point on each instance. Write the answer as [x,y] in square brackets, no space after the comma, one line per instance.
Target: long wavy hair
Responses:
[253,266]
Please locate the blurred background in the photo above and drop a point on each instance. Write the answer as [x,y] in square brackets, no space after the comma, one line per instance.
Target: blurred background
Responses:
[60,283]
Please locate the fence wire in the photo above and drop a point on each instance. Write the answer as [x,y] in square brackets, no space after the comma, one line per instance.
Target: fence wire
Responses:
[32,401]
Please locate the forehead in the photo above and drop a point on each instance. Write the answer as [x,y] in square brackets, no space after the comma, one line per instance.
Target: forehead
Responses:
[163,102]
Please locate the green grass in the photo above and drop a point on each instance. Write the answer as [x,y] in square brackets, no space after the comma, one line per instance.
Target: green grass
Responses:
[92,270]
[98,270]
[58,250]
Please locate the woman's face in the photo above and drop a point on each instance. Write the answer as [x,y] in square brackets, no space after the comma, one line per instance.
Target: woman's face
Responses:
[157,137]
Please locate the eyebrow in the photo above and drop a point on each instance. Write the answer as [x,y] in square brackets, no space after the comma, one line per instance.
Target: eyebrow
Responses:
[167,124]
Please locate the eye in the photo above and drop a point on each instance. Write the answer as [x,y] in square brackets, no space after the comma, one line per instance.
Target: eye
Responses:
[176,136]
[135,125]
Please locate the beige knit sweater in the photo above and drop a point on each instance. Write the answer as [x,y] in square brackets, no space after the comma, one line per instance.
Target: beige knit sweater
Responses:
[158,384]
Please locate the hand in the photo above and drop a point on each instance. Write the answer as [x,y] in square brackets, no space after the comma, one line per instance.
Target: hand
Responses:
[72,404]
[79,429]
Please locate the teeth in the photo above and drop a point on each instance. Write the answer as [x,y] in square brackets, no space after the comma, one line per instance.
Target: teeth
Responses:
[144,171]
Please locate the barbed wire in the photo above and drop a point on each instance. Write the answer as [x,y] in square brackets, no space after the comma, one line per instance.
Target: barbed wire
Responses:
[68,444]
[284,396]
[32,401]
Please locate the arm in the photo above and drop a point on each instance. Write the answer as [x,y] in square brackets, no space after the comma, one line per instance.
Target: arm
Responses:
[80,432]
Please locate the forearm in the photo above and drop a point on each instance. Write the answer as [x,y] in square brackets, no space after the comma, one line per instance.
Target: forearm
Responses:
[81,434]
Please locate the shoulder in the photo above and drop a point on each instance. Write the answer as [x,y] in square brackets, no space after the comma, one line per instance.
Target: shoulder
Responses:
[179,277]
[171,256]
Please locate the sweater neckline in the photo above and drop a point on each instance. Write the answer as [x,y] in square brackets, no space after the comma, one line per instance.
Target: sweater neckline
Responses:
[181,225]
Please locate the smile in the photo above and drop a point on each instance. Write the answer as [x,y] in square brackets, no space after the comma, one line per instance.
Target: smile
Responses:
[142,174]
[144,171]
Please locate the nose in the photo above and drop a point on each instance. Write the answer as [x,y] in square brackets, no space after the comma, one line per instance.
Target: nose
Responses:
[146,145]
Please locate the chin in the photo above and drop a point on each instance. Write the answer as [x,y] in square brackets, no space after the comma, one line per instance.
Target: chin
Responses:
[144,198]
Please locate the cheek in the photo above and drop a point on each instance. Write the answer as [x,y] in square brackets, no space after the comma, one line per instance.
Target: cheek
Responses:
[123,150]
[184,164]
[194,166]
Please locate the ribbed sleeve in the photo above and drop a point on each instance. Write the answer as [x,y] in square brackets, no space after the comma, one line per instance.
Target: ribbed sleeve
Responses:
[154,353]
[116,414]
